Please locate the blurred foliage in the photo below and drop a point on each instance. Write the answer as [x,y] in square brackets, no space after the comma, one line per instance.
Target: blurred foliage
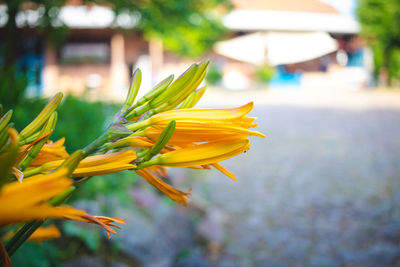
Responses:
[33,254]
[264,73]
[214,75]
[91,239]
[79,121]
[380,22]
[12,86]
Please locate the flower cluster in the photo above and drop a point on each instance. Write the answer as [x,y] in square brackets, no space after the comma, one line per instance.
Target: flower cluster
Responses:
[161,129]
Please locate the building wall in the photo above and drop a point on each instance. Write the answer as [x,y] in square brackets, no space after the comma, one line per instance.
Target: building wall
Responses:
[108,79]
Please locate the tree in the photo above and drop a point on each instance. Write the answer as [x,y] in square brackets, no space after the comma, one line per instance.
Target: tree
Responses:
[380,22]
[188,28]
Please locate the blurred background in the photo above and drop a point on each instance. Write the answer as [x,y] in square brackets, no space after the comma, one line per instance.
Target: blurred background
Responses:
[321,190]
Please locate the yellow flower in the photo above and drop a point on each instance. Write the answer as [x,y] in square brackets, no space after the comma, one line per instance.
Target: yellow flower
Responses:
[173,193]
[201,114]
[202,154]
[105,164]
[98,164]
[45,233]
[224,171]
[235,116]
[187,133]
[50,152]
[26,201]
[21,202]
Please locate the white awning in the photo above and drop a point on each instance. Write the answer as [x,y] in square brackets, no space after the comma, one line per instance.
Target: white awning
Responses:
[276,48]
[266,20]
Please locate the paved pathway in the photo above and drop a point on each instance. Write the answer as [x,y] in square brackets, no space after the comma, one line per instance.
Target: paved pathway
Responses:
[323,189]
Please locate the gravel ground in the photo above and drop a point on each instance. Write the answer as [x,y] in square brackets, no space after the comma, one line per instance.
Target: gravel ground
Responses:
[323,189]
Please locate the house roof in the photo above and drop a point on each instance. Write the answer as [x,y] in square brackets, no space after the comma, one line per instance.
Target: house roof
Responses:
[286,5]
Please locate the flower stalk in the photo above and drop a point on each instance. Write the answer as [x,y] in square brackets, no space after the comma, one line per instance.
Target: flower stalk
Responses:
[160,129]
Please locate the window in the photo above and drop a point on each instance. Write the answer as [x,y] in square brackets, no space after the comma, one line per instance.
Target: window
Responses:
[85,53]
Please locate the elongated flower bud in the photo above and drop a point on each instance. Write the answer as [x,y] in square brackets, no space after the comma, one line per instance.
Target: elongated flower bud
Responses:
[158,89]
[42,117]
[184,80]
[162,141]
[5,120]
[133,90]
[195,82]
[7,159]
[188,101]
[48,127]
[199,95]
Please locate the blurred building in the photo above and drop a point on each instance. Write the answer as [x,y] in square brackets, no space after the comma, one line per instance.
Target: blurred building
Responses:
[96,58]
[309,44]
[305,41]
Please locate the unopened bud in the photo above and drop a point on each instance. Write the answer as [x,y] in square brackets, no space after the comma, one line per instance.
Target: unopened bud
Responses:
[162,140]
[34,151]
[5,120]
[42,117]
[133,90]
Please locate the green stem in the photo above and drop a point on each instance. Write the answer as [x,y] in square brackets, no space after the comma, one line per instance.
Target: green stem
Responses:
[22,235]
[92,147]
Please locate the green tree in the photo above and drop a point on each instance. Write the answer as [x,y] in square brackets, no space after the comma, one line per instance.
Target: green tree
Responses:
[186,27]
[380,22]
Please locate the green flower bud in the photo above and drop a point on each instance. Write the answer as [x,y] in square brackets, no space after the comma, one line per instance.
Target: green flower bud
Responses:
[187,103]
[195,82]
[5,120]
[162,140]
[133,90]
[42,117]
[34,151]
[176,87]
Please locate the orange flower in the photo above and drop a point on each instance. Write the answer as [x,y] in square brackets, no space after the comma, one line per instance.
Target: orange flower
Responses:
[98,164]
[51,152]
[187,133]
[26,201]
[173,193]
[44,233]
[202,154]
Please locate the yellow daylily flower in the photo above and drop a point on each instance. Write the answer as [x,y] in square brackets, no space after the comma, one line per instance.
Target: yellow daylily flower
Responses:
[26,201]
[195,115]
[202,114]
[50,152]
[224,171]
[98,164]
[21,202]
[188,132]
[173,193]
[202,154]
[45,233]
